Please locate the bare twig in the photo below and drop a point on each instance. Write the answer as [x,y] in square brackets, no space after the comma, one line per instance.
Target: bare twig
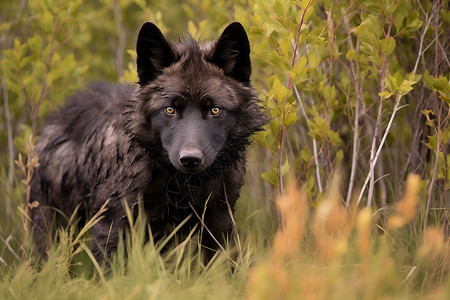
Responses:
[435,13]
[359,99]
[378,123]
[422,36]
[9,133]
[433,176]
[298,33]
[331,31]
[316,156]
[122,38]
[355,149]
[373,149]
[377,153]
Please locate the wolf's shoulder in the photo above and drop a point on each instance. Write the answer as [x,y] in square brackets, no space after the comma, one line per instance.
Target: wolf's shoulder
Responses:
[89,114]
[99,96]
[100,102]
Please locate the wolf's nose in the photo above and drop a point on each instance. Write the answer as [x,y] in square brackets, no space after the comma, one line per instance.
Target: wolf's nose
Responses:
[191,158]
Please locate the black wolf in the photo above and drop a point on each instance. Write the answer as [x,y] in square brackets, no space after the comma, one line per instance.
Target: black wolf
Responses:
[177,141]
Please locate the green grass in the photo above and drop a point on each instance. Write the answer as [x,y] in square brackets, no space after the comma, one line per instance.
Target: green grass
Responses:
[328,253]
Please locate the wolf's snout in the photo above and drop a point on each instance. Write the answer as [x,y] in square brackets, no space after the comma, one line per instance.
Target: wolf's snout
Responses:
[191,158]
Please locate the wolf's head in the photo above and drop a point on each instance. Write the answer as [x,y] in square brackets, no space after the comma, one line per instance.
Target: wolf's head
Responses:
[194,107]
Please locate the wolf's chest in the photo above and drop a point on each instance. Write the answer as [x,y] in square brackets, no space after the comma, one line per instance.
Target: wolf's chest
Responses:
[185,194]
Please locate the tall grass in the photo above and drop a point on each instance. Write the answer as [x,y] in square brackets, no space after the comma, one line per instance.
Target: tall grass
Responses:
[331,253]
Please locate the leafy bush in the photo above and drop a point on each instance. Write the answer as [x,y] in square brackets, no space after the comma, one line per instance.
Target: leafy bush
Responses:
[358,93]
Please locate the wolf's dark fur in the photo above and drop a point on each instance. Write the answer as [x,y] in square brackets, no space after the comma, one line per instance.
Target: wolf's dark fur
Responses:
[176,140]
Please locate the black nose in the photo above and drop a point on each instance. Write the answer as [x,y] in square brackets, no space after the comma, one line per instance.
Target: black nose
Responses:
[191,158]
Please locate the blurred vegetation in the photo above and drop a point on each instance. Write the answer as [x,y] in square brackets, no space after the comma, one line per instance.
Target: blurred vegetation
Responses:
[358,93]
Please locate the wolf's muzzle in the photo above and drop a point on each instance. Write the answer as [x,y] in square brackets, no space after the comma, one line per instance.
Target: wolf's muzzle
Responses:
[191,158]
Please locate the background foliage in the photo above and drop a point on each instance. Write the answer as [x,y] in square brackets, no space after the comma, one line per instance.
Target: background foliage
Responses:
[357,91]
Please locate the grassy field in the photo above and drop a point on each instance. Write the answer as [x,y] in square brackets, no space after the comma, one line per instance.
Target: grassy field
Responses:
[347,190]
[325,253]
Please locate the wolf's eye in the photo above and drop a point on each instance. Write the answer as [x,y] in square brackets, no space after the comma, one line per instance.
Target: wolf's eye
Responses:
[169,110]
[215,111]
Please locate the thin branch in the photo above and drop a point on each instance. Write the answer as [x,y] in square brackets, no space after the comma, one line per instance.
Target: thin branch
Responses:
[282,131]
[331,31]
[316,156]
[435,10]
[354,153]
[359,99]
[298,33]
[388,128]
[122,38]
[433,176]
[373,148]
[422,36]
[378,122]
[9,133]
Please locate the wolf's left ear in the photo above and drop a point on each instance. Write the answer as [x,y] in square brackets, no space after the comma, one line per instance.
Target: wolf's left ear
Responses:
[154,53]
[232,53]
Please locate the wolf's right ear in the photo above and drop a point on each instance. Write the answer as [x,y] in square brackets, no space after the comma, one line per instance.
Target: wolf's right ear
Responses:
[232,53]
[154,53]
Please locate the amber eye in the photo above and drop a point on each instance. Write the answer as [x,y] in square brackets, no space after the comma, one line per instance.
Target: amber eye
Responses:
[169,110]
[215,111]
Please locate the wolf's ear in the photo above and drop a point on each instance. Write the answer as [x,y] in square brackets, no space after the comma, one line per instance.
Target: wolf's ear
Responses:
[153,53]
[232,53]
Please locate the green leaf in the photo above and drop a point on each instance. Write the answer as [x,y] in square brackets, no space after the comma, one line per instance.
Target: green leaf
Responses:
[427,112]
[398,79]
[279,90]
[313,60]
[432,142]
[278,8]
[318,128]
[369,30]
[299,67]
[387,45]
[305,155]
[35,43]
[261,138]
[428,80]
[413,21]
[351,54]
[339,156]
[442,84]
[285,168]
[390,9]
[385,95]
[334,138]
[271,177]
[291,117]
[404,88]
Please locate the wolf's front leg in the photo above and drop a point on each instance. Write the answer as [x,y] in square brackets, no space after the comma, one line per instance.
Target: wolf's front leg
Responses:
[106,234]
[43,222]
[218,232]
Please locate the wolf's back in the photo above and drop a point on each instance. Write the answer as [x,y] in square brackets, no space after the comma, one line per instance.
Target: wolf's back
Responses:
[84,143]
